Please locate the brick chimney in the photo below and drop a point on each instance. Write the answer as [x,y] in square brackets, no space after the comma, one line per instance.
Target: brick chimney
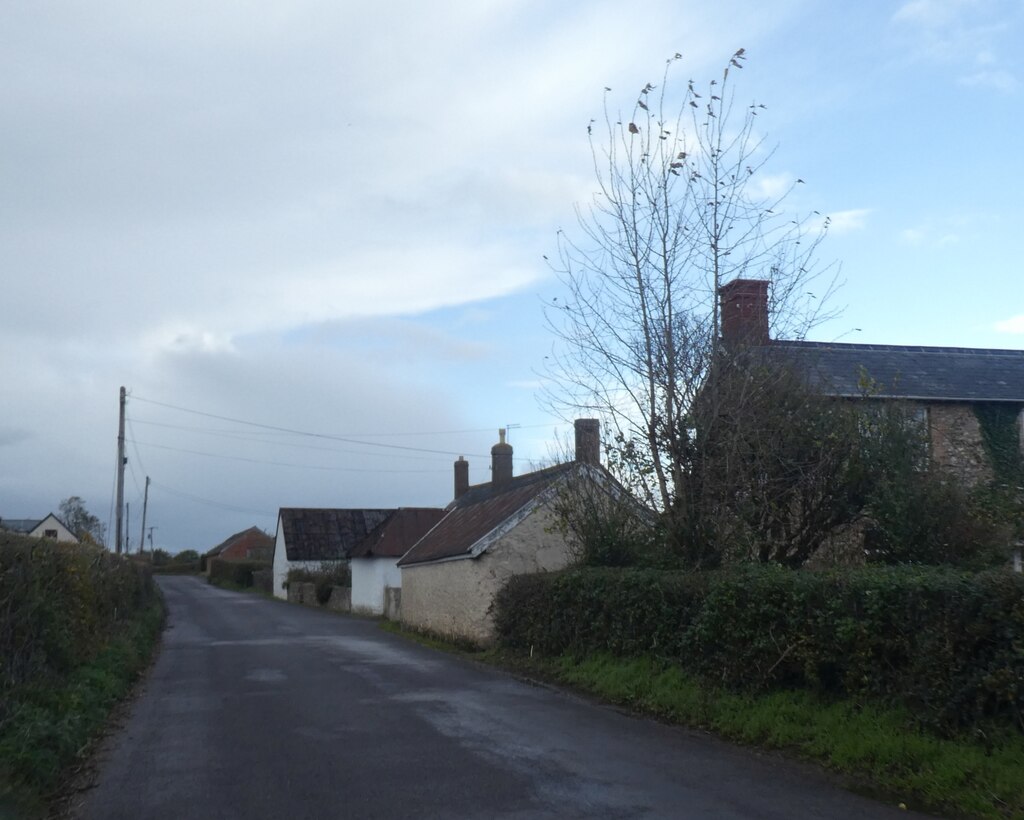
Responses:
[501,461]
[461,477]
[588,441]
[744,304]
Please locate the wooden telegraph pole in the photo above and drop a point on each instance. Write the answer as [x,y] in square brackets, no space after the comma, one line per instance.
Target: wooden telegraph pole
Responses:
[120,474]
[145,503]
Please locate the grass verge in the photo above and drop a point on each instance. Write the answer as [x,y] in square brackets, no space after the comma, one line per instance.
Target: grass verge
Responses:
[881,750]
[50,727]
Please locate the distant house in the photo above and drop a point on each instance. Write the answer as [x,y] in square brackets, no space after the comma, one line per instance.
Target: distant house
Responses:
[952,388]
[489,533]
[375,559]
[49,527]
[248,545]
[310,538]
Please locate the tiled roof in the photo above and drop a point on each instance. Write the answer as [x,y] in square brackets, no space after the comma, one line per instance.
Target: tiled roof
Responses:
[898,371]
[393,537]
[326,535]
[254,534]
[479,512]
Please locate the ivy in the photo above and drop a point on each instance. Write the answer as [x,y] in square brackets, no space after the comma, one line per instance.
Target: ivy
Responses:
[1000,432]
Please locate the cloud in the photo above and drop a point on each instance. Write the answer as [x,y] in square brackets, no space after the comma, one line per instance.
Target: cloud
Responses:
[1000,80]
[1015,324]
[842,222]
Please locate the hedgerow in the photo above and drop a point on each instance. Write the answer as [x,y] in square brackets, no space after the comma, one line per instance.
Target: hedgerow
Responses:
[77,624]
[235,573]
[948,645]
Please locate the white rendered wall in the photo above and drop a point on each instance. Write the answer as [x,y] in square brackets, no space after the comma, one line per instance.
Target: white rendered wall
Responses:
[369,577]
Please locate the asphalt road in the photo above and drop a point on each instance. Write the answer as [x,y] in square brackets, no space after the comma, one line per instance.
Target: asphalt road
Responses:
[258,709]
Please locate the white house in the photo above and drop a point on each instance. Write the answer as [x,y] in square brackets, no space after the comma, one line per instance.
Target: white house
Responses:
[375,559]
[310,538]
[49,527]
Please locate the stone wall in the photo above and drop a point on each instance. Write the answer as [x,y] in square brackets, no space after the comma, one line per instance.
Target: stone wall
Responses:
[453,599]
[341,599]
[956,442]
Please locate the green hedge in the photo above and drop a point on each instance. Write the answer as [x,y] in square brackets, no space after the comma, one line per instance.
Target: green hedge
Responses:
[60,604]
[947,644]
[235,573]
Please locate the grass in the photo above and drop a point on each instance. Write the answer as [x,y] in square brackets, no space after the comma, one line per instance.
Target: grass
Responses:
[881,750]
[49,727]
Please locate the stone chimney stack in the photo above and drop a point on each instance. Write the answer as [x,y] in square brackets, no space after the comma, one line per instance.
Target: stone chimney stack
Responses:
[501,461]
[461,477]
[744,306]
[588,441]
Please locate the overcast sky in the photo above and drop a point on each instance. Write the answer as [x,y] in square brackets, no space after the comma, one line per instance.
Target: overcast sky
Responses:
[332,217]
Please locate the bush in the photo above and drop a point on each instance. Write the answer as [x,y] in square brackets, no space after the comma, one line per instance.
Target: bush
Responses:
[329,575]
[947,644]
[235,573]
[77,625]
[61,603]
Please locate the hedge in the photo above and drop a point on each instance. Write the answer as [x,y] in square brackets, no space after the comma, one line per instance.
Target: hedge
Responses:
[59,605]
[947,644]
[235,573]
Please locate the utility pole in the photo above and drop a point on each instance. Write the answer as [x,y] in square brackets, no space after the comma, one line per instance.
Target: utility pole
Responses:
[151,537]
[120,473]
[145,503]
[127,528]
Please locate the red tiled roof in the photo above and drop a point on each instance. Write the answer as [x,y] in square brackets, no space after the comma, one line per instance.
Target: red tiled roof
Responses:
[393,537]
[479,512]
[253,537]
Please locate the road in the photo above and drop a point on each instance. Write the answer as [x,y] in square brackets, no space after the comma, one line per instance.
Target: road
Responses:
[260,709]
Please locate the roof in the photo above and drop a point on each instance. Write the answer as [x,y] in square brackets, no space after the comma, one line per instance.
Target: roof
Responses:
[393,536]
[326,534]
[22,525]
[910,372]
[253,534]
[481,511]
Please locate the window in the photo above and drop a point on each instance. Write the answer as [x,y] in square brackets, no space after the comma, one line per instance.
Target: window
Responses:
[50,534]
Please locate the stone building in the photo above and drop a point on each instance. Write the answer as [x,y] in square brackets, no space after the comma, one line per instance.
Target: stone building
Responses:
[489,533]
[952,388]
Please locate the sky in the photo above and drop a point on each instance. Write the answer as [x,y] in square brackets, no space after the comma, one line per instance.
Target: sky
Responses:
[309,238]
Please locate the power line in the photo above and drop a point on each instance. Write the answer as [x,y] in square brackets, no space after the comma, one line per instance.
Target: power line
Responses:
[280,463]
[207,502]
[346,439]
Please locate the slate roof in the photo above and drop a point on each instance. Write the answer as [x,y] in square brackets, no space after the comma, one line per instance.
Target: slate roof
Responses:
[21,525]
[909,372]
[326,534]
[479,512]
[393,536]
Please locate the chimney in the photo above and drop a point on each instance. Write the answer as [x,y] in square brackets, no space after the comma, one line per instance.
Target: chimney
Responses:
[744,304]
[588,441]
[501,461]
[461,477]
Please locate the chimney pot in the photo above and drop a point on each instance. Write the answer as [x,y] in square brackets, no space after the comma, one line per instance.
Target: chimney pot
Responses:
[501,461]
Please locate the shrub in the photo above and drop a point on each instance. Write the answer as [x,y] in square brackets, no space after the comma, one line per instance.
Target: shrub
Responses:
[330,574]
[947,644]
[235,573]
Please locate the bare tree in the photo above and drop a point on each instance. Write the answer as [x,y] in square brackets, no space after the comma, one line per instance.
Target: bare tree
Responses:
[683,205]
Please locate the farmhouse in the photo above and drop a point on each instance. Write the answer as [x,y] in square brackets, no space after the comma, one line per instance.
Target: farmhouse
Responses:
[49,527]
[311,538]
[489,533]
[248,545]
[963,396]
